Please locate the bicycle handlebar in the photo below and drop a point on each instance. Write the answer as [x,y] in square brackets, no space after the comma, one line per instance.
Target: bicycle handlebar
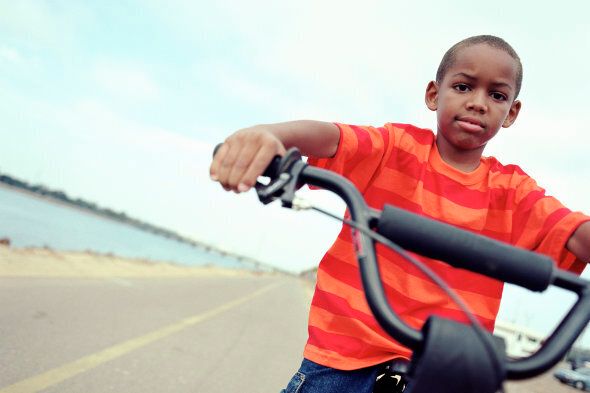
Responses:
[466,250]
[417,236]
[444,242]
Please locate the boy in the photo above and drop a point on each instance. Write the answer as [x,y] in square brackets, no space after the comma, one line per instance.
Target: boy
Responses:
[443,176]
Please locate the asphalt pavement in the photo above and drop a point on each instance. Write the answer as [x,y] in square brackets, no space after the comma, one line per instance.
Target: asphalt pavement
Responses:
[208,334]
[199,334]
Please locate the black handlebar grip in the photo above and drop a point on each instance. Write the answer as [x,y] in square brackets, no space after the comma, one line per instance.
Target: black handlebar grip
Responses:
[466,250]
[216,148]
[272,170]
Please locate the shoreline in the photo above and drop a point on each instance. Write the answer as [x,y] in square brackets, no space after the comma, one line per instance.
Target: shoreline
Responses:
[55,201]
[46,262]
[95,214]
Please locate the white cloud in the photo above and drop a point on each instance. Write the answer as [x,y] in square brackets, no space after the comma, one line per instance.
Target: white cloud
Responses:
[552,148]
[10,54]
[44,25]
[126,81]
[246,89]
[95,121]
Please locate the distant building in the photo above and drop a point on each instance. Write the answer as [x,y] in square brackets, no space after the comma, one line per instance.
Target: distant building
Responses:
[520,341]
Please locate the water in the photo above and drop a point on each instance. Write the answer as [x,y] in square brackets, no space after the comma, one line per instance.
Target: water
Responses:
[29,221]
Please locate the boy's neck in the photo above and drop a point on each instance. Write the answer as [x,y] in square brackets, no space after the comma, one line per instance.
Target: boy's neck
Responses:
[463,160]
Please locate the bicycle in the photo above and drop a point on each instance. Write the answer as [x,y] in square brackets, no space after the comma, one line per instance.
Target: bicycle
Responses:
[440,362]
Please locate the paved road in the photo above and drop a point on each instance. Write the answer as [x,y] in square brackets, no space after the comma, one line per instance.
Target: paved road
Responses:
[213,334]
[210,335]
[545,383]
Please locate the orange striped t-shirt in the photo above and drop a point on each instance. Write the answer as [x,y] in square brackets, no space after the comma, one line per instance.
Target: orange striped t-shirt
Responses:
[399,164]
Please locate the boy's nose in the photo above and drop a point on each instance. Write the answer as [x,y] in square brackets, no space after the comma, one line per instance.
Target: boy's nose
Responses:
[477,103]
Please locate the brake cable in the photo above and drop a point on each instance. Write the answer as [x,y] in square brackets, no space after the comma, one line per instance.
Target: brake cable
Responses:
[299,204]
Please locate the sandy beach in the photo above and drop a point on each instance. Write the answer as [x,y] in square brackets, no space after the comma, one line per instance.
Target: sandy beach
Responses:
[45,262]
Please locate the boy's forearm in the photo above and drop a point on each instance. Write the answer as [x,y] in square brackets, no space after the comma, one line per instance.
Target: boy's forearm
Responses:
[311,137]
[579,242]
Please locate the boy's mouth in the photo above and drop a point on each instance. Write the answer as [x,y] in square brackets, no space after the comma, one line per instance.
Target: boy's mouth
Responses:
[470,124]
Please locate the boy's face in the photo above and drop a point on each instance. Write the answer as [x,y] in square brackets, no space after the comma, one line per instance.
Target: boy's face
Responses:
[475,98]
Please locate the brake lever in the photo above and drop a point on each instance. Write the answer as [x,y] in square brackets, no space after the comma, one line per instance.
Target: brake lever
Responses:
[285,182]
[273,190]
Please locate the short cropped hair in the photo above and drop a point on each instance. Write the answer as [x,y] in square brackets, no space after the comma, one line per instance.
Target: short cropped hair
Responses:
[495,42]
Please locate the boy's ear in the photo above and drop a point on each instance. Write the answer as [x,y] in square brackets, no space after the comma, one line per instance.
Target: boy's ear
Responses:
[512,114]
[431,96]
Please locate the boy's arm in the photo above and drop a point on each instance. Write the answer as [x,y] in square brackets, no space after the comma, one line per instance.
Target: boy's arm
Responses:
[246,153]
[579,242]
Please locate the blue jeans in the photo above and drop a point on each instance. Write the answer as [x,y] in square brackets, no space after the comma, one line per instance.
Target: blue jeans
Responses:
[315,378]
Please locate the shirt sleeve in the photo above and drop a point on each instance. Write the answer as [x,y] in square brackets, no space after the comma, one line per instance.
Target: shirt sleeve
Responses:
[542,224]
[360,154]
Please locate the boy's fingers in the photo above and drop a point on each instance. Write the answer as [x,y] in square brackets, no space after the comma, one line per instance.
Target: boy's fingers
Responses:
[227,163]
[258,165]
[242,158]
[243,161]
[216,162]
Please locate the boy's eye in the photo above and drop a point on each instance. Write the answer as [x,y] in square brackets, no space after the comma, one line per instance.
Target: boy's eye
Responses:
[498,96]
[461,87]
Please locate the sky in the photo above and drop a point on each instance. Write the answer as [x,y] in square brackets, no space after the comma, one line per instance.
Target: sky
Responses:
[121,102]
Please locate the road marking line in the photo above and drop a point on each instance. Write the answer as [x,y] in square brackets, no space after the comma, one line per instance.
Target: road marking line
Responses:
[59,374]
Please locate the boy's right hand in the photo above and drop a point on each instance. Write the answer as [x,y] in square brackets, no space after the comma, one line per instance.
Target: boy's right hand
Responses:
[243,157]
